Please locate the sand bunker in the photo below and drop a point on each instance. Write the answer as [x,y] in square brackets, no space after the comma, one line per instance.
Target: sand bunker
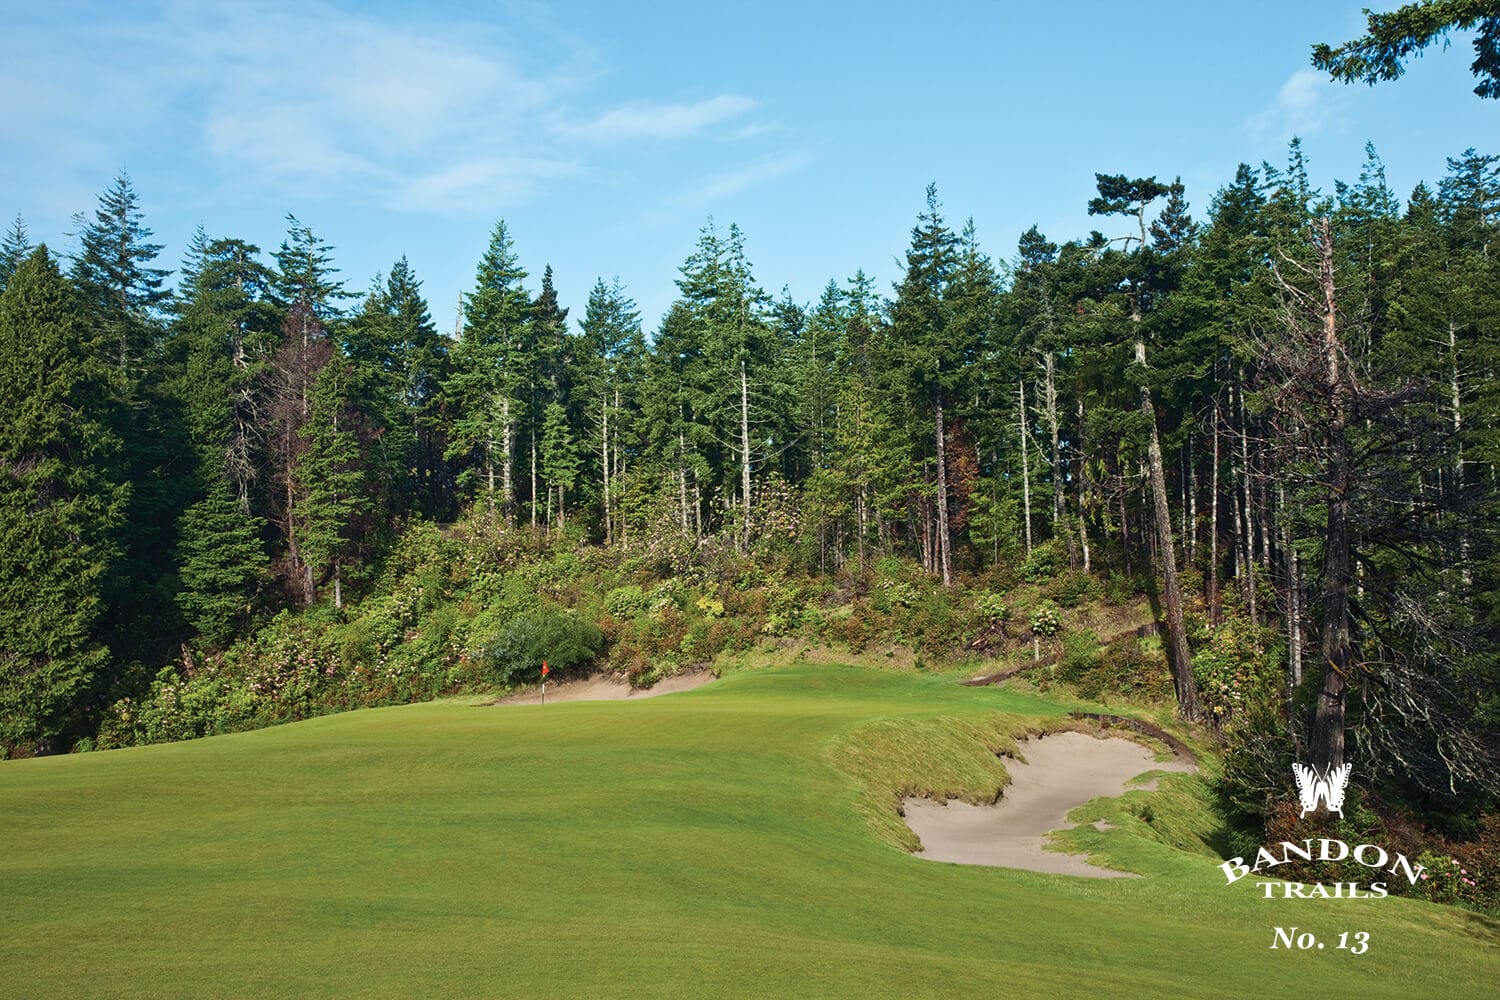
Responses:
[1062,771]
[606,687]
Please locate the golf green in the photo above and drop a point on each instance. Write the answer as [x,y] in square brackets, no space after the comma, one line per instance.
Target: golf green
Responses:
[726,841]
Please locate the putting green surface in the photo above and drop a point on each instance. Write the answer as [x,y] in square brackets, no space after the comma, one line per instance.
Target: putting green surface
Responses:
[696,845]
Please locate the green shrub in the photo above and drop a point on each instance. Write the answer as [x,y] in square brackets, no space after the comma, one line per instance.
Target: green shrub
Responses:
[891,594]
[1122,668]
[1080,655]
[1043,563]
[516,652]
[1119,589]
[625,602]
[1070,589]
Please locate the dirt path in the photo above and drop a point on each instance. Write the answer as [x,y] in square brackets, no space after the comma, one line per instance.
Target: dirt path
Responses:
[606,687]
[1062,771]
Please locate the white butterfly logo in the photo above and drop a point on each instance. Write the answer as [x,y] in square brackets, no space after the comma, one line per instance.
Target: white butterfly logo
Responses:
[1329,787]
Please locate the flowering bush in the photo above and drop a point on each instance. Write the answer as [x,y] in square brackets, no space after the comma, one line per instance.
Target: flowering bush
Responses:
[990,609]
[1234,666]
[1046,620]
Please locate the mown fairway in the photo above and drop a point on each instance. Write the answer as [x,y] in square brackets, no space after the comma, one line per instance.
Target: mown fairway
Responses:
[694,845]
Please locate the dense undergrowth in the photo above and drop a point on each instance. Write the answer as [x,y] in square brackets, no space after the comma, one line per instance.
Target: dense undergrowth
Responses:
[474,609]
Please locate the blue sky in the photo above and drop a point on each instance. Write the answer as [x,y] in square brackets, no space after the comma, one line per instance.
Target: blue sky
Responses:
[606,134]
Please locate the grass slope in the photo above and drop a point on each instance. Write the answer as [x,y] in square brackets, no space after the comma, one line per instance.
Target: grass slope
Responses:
[724,842]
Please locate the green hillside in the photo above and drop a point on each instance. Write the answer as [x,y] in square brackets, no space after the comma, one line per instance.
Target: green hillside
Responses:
[713,843]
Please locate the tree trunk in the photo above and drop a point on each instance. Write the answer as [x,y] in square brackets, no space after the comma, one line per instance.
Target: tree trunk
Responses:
[1083,486]
[1338,652]
[507,467]
[1025,461]
[1213,528]
[945,541]
[609,536]
[1249,580]
[1049,401]
[1466,573]
[489,473]
[682,501]
[744,534]
[1293,595]
[1177,646]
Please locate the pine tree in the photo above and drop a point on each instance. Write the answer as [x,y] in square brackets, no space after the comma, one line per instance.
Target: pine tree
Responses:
[334,488]
[560,459]
[484,386]
[15,248]
[305,273]
[125,298]
[608,349]
[305,351]
[1404,32]
[221,562]
[928,357]
[401,358]
[725,360]
[60,504]
[227,331]
[1121,196]
[543,365]
[112,271]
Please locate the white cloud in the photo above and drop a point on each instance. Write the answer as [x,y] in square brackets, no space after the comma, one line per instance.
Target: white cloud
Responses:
[311,99]
[1307,103]
[639,120]
[733,182]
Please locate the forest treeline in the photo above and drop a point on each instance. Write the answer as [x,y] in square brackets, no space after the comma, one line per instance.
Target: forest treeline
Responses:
[1286,408]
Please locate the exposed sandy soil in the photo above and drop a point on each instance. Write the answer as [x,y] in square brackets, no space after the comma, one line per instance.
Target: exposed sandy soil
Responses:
[606,687]
[1062,770]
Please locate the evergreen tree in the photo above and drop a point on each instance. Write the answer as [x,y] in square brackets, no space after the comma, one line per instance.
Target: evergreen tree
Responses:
[60,504]
[928,358]
[227,331]
[332,515]
[560,458]
[306,349]
[1404,32]
[1119,195]
[544,367]
[114,274]
[484,384]
[609,349]
[126,300]
[401,358]
[221,562]
[15,248]
[305,273]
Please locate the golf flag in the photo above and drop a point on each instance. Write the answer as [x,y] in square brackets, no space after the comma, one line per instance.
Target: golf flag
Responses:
[545,669]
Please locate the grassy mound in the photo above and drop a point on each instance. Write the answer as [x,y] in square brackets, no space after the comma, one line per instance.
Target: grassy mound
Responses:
[714,843]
